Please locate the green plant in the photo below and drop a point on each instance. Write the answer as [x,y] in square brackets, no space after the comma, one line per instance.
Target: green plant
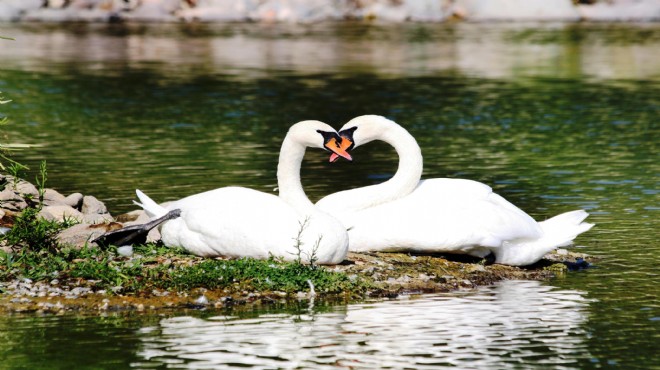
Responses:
[154,266]
[41,182]
[14,169]
[31,232]
[298,245]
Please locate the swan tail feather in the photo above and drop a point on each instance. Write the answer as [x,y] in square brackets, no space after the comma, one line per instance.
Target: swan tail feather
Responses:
[558,231]
[153,209]
[565,227]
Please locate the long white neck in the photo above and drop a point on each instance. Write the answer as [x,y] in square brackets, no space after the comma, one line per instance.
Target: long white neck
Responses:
[410,167]
[288,175]
[406,179]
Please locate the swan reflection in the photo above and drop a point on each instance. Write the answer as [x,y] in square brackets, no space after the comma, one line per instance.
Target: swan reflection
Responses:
[500,326]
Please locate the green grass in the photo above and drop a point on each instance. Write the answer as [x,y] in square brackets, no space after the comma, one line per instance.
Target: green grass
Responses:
[154,266]
[32,233]
[37,256]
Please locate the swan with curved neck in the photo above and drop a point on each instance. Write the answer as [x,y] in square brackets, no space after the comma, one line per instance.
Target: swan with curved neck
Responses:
[438,215]
[240,222]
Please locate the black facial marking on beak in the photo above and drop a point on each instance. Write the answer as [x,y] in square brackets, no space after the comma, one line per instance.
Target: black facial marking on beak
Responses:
[348,134]
[328,138]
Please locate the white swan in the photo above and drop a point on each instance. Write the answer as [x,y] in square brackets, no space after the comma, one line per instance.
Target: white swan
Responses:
[438,215]
[241,222]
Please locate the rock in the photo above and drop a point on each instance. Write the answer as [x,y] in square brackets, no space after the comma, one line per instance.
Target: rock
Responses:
[428,10]
[12,10]
[8,195]
[380,11]
[94,218]
[143,217]
[25,188]
[91,205]
[93,210]
[81,234]
[621,10]
[527,10]
[74,200]
[404,10]
[132,216]
[293,11]
[126,251]
[9,200]
[202,300]
[60,213]
[52,197]
[154,10]
[219,10]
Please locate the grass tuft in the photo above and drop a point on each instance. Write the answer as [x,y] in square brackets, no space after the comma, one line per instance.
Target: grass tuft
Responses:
[153,266]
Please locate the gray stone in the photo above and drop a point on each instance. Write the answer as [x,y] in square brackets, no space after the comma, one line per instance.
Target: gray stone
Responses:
[74,200]
[130,216]
[9,200]
[621,10]
[92,205]
[47,215]
[61,212]
[52,198]
[142,217]
[529,10]
[8,195]
[95,218]
[79,235]
[24,187]
[126,251]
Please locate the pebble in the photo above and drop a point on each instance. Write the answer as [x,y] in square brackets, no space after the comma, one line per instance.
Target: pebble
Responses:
[126,250]
[202,300]
[308,11]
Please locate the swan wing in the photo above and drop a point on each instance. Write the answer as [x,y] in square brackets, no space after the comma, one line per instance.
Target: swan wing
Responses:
[441,215]
[241,222]
[232,222]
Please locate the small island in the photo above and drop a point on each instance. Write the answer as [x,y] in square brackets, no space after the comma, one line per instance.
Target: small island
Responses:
[48,264]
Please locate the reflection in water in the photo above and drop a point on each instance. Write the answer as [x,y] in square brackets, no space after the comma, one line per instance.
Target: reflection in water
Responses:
[553,116]
[482,50]
[498,327]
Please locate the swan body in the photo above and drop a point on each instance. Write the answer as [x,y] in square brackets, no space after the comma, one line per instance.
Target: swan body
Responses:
[439,215]
[240,222]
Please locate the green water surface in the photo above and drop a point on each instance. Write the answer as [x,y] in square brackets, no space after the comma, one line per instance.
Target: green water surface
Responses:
[553,116]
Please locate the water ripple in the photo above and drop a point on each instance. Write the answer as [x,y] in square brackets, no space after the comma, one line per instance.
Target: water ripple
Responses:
[501,327]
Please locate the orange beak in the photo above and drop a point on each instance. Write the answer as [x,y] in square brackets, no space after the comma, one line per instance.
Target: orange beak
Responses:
[339,149]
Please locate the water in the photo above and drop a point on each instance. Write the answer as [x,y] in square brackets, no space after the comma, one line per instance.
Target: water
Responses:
[553,116]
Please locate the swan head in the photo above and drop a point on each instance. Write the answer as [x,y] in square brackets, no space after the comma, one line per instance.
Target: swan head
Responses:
[361,130]
[316,134]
